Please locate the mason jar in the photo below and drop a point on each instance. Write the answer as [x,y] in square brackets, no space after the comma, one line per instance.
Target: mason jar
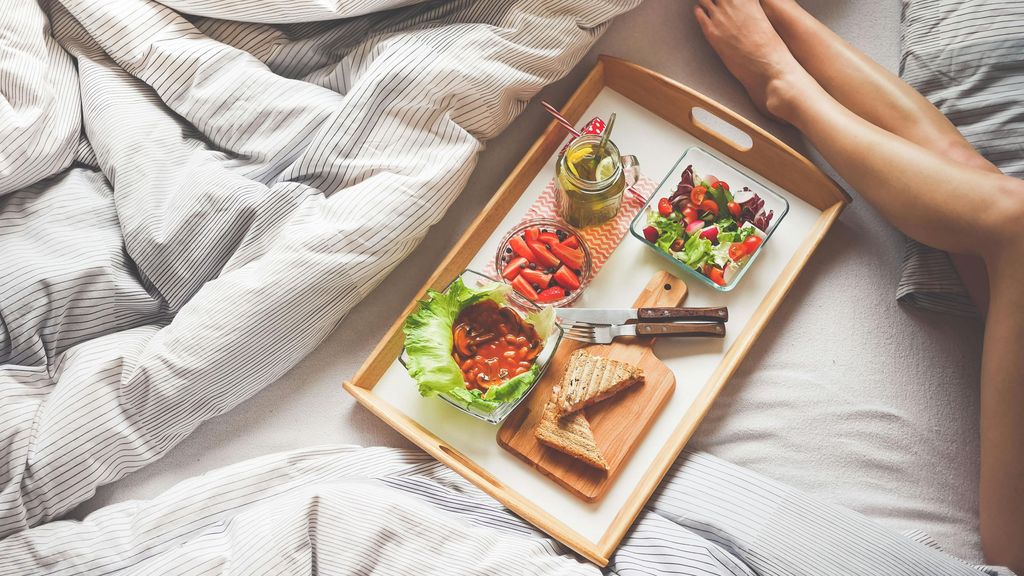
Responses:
[590,181]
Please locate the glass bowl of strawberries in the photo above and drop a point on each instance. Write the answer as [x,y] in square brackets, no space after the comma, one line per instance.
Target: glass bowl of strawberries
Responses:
[546,262]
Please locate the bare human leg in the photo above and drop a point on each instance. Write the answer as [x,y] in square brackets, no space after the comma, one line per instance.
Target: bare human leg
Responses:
[921,193]
[878,96]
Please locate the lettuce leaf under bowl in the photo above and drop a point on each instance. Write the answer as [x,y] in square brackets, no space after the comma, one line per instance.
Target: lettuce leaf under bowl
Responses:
[429,339]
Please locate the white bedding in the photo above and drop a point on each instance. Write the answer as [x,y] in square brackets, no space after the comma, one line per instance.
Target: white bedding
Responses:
[848,396]
[349,510]
[189,206]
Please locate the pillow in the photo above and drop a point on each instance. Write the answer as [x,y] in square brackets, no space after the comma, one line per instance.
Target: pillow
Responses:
[967,58]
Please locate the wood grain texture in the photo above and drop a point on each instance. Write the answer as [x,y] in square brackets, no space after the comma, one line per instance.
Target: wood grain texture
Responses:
[767,154]
[618,423]
[674,103]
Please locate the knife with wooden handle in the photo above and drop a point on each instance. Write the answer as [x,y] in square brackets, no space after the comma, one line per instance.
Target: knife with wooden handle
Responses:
[623,315]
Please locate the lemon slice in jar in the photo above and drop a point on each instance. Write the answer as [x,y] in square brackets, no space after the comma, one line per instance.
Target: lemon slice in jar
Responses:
[605,169]
[577,158]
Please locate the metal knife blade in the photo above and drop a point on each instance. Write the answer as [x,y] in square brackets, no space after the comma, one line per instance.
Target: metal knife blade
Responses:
[596,315]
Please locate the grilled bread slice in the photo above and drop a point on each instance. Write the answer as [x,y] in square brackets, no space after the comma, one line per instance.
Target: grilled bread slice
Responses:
[590,379]
[571,435]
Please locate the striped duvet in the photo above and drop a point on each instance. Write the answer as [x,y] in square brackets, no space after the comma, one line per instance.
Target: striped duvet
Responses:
[192,194]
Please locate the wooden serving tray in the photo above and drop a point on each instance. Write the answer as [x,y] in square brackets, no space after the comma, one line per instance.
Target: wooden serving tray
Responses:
[617,423]
[656,122]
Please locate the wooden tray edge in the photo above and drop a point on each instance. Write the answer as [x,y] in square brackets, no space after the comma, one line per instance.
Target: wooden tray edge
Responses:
[452,458]
[726,368]
[616,74]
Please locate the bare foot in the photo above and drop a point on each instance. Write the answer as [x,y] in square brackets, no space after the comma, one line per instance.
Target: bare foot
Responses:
[745,40]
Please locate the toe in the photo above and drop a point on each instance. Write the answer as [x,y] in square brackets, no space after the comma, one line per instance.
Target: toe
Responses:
[702,18]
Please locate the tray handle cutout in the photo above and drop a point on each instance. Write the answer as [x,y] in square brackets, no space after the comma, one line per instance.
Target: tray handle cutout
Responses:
[721,129]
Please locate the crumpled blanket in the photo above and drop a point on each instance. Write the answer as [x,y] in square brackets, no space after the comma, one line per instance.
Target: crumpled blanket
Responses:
[350,510]
[192,194]
[189,204]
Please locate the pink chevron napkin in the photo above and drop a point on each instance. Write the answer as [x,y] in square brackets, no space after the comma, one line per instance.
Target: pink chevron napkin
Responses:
[603,239]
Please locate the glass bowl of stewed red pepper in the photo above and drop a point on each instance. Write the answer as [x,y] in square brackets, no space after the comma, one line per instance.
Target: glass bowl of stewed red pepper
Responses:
[546,262]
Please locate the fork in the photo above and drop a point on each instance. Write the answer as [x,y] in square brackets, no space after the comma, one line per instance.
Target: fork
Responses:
[596,334]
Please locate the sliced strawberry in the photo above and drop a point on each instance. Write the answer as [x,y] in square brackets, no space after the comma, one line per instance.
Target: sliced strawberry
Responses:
[544,256]
[513,268]
[573,258]
[523,287]
[531,234]
[571,242]
[537,278]
[520,247]
[567,278]
[553,294]
[548,238]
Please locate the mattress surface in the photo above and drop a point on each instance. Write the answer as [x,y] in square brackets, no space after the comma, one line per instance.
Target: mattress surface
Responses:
[848,395]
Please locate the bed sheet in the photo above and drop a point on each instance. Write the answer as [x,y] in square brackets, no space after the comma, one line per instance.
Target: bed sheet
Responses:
[848,396]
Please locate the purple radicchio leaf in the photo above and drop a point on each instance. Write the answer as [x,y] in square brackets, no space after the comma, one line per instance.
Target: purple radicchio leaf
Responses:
[750,209]
[679,202]
[763,220]
[687,177]
[685,184]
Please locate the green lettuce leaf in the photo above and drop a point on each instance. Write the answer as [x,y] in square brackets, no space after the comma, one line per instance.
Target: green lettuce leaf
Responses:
[669,230]
[695,252]
[513,389]
[429,340]
[720,255]
[719,196]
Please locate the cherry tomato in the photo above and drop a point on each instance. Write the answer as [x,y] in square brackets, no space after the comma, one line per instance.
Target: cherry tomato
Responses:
[752,243]
[710,206]
[734,209]
[690,215]
[697,194]
[737,251]
[717,276]
[723,184]
[664,207]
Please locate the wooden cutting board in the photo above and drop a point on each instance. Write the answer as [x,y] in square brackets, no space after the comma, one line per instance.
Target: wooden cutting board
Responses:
[618,423]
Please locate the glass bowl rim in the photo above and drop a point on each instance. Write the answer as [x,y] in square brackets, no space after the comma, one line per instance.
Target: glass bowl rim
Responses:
[780,216]
[586,275]
[506,408]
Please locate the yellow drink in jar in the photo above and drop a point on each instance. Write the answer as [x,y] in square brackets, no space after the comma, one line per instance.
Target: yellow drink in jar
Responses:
[591,181]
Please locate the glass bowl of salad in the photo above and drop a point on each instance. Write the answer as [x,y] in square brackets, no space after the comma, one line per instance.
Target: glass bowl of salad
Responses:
[709,219]
[465,346]
[546,262]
